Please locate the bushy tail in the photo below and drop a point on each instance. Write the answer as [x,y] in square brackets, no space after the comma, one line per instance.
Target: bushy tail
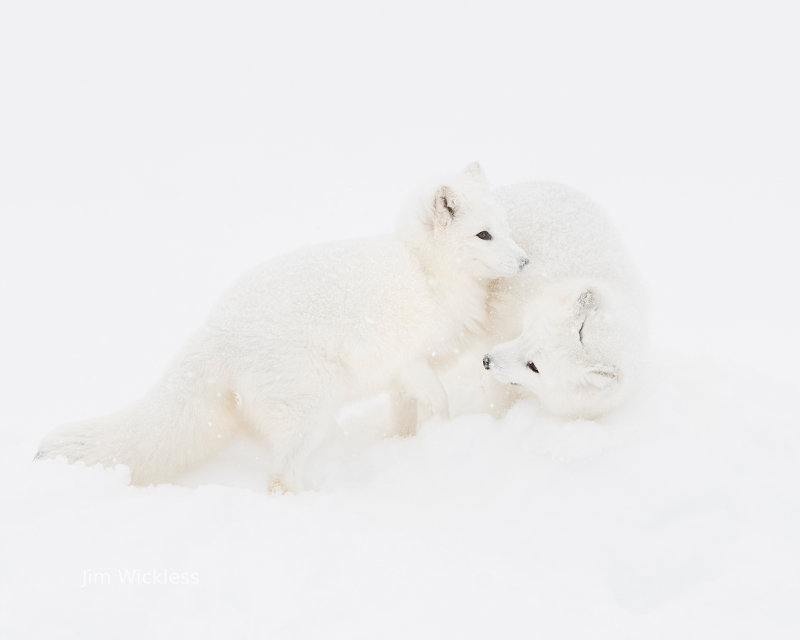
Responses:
[184,418]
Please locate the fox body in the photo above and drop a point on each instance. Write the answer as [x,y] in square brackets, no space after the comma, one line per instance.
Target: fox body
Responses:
[570,330]
[304,333]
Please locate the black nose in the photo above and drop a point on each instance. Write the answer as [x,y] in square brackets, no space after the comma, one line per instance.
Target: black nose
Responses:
[486,361]
[522,263]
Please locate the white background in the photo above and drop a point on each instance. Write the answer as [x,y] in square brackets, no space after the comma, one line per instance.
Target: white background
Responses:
[152,151]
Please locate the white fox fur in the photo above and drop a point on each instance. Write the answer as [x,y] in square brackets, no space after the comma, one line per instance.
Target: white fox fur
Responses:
[306,332]
[577,313]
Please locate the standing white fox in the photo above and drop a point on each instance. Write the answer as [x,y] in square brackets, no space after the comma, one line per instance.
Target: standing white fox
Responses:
[572,327]
[304,333]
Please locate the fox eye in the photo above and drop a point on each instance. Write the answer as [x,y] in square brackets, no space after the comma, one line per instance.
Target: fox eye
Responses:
[484,235]
[532,367]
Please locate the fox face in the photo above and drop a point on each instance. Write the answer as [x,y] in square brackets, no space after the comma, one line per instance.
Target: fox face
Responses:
[561,357]
[474,227]
[465,228]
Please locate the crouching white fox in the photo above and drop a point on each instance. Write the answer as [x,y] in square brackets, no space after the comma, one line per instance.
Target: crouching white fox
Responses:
[304,333]
[572,327]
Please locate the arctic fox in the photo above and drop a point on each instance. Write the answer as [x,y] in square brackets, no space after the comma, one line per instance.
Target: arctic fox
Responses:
[574,322]
[304,333]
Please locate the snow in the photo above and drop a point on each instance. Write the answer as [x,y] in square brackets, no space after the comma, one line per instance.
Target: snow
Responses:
[151,152]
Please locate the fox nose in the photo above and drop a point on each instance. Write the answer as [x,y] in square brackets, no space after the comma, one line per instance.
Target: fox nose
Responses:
[522,262]
[487,361]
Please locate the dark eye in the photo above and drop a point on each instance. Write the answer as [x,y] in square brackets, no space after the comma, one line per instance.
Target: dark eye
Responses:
[484,235]
[532,367]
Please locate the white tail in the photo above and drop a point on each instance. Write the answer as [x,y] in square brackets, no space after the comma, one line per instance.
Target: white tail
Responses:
[184,418]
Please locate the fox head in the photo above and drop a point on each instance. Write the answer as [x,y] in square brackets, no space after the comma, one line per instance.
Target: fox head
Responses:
[459,226]
[567,354]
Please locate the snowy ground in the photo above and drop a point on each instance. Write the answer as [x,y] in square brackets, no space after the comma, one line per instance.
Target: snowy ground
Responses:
[152,151]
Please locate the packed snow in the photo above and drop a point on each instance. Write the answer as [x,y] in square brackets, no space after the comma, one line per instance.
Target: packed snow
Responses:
[151,152]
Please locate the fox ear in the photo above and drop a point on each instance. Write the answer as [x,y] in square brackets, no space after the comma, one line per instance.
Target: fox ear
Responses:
[587,300]
[475,171]
[445,206]
[584,305]
[602,376]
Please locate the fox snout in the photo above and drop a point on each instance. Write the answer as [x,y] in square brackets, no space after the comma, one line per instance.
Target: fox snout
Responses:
[487,361]
[522,262]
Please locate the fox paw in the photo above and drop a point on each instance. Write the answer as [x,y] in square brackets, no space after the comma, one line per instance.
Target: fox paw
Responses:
[276,485]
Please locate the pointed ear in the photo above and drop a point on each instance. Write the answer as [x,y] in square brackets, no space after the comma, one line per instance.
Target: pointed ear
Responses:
[445,206]
[602,376]
[475,171]
[584,305]
[586,300]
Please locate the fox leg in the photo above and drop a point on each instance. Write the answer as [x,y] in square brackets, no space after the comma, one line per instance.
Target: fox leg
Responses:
[417,395]
[295,427]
